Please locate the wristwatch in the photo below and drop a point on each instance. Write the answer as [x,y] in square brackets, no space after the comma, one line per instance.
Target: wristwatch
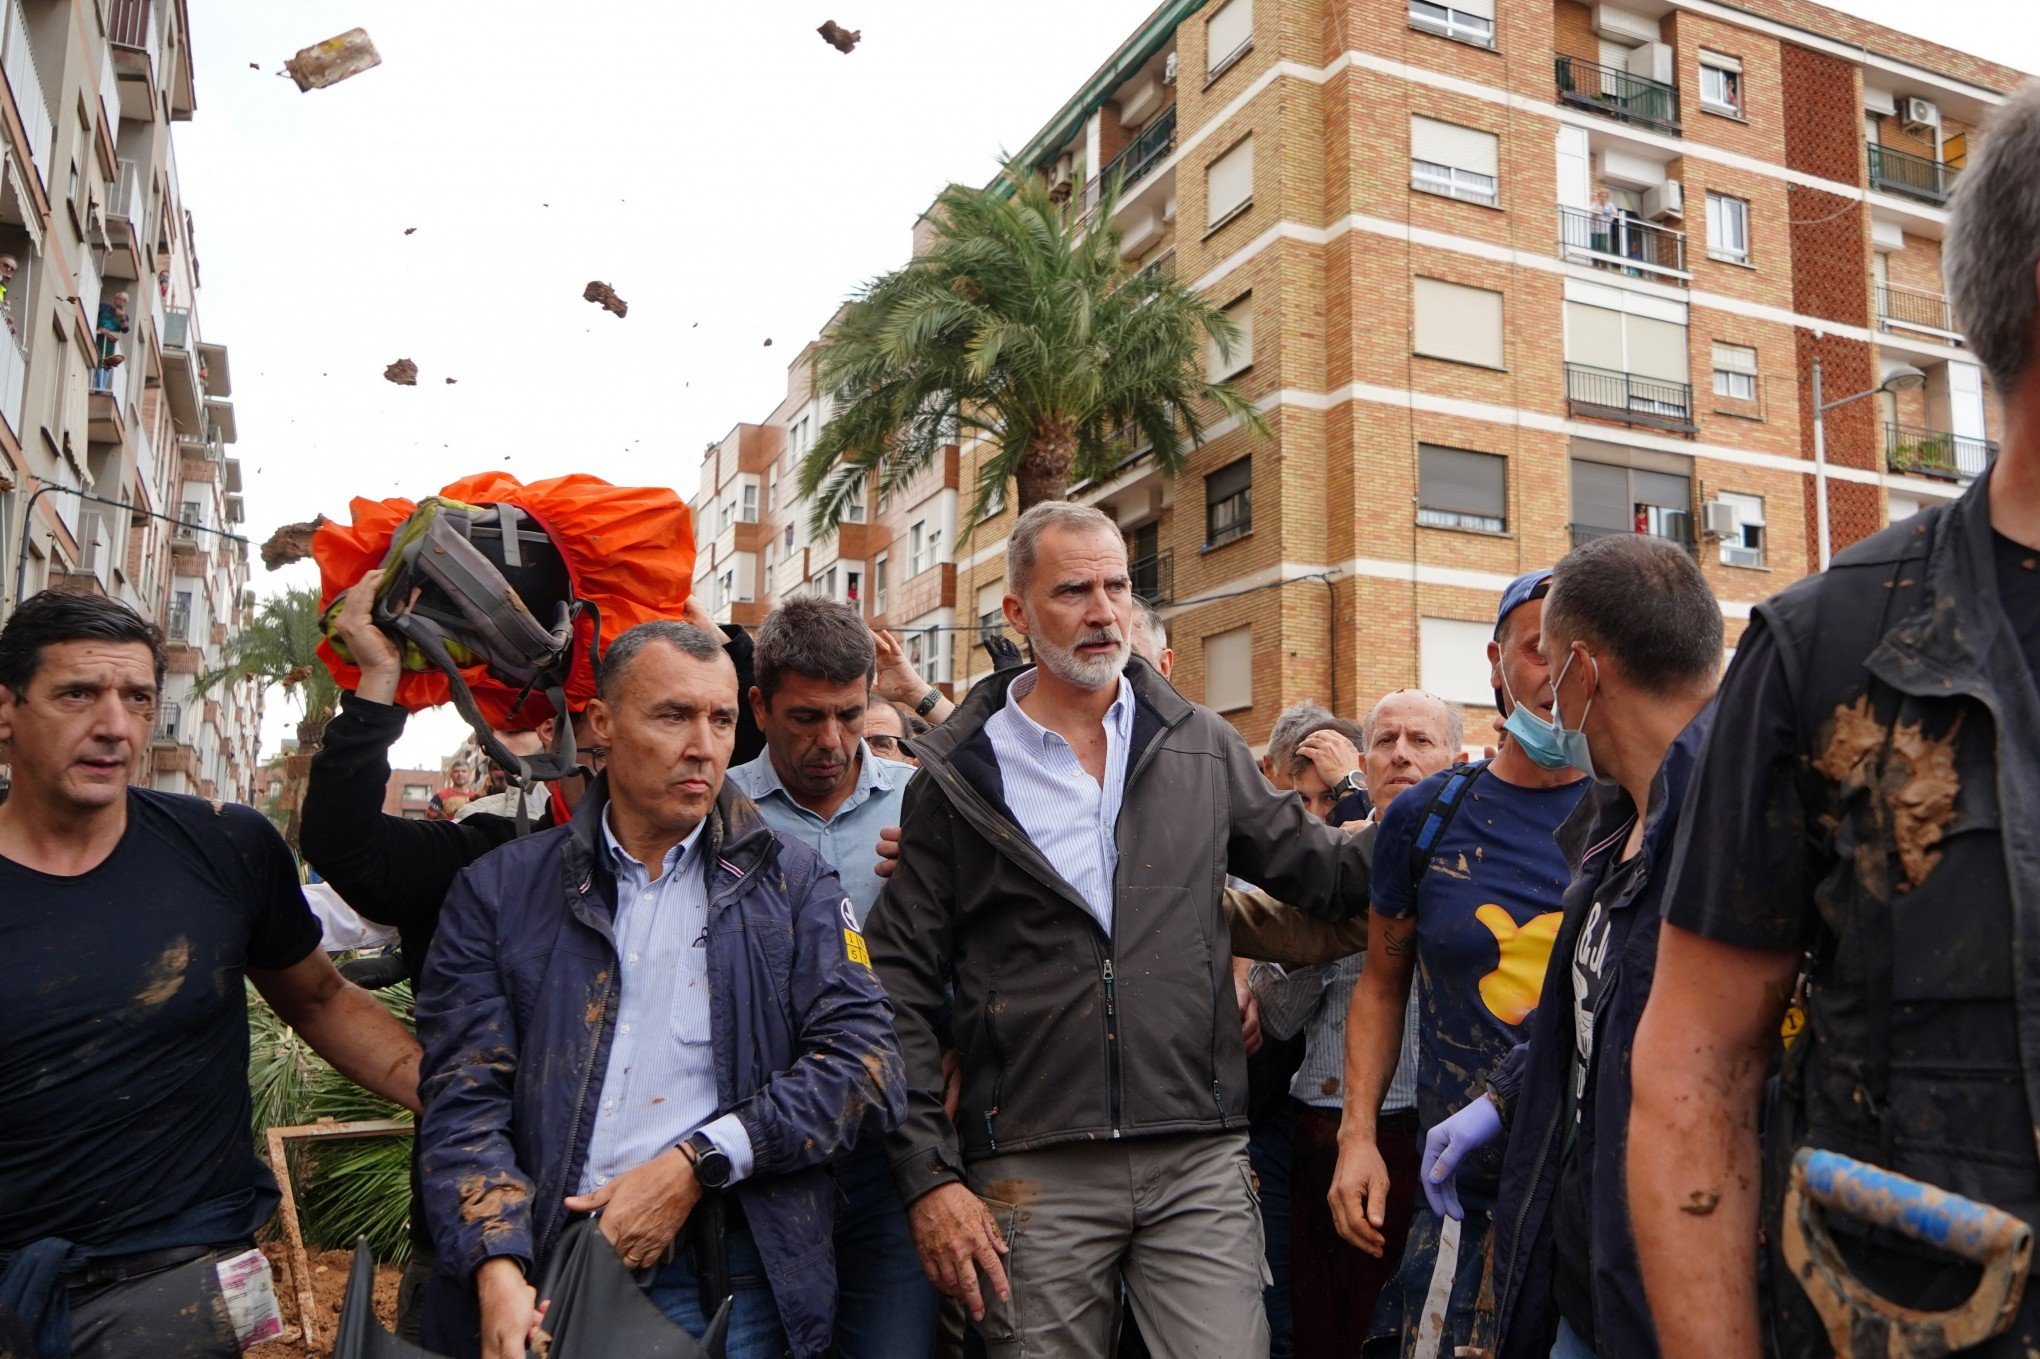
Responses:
[711,1166]
[1352,783]
[928,702]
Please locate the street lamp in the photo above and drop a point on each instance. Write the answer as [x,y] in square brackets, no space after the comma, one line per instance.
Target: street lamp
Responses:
[1903,378]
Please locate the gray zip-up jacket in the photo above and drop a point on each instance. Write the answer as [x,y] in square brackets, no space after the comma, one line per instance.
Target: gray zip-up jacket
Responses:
[1068,1034]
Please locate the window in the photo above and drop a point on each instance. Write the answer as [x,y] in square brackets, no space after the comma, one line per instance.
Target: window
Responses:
[1746,546]
[1240,355]
[726,511]
[825,585]
[749,513]
[1461,490]
[917,547]
[995,503]
[1458,323]
[1610,499]
[1458,162]
[1452,660]
[1229,182]
[991,609]
[771,487]
[853,585]
[1229,670]
[1628,343]
[797,437]
[417,792]
[789,540]
[878,564]
[853,508]
[1469,21]
[1228,36]
[1728,229]
[725,588]
[1229,503]
[1720,84]
[769,547]
[1735,371]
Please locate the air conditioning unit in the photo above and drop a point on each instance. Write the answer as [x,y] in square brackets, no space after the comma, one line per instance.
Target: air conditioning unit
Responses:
[1169,70]
[1664,200]
[1920,115]
[1720,519]
[1065,171]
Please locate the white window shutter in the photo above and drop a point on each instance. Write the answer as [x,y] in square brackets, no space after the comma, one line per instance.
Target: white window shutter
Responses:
[1457,322]
[1462,148]
[1226,30]
[1479,9]
[1229,670]
[1230,180]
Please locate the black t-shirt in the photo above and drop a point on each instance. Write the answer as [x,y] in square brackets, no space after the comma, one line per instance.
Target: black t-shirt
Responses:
[124,1096]
[1743,862]
[1599,944]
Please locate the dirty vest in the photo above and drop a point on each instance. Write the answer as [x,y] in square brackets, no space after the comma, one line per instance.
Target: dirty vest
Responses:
[1921,787]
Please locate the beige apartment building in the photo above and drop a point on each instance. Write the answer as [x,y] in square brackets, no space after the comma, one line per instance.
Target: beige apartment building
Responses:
[90,208]
[1513,274]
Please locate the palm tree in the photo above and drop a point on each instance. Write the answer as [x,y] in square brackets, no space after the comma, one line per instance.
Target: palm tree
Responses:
[280,646]
[1022,324]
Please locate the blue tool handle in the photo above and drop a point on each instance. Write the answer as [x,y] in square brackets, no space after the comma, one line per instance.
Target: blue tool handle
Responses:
[1962,1227]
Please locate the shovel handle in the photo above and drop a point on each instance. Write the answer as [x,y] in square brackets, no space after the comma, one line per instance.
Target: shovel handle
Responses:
[1934,1217]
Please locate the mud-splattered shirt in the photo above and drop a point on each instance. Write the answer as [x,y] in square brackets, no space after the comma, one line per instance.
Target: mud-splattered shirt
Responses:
[124,1067]
[1486,913]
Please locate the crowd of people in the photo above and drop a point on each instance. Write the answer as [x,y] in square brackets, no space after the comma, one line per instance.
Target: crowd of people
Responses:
[1052,1021]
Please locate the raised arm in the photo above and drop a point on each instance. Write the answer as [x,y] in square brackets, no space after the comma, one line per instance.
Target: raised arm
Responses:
[1702,1052]
[1278,846]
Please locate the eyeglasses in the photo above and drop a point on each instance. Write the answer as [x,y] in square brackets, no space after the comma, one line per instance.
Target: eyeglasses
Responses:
[886,745]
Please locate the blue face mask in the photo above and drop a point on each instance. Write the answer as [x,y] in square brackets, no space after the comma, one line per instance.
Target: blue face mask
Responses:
[1547,741]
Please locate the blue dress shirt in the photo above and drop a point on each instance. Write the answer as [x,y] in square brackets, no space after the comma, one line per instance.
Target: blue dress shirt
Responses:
[660,1084]
[1071,817]
[847,841]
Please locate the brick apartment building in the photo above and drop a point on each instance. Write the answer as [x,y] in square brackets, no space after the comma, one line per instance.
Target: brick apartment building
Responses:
[1513,273]
[90,207]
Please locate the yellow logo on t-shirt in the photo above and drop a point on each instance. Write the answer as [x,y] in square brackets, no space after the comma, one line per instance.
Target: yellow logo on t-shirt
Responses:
[1510,991]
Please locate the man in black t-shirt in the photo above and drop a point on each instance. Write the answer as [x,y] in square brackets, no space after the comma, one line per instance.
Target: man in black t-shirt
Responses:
[1864,808]
[129,1187]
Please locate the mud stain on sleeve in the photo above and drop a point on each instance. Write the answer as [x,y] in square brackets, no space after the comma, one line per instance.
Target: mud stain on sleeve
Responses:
[166,974]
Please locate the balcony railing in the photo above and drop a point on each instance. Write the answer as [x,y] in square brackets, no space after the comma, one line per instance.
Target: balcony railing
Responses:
[13,378]
[17,62]
[1154,577]
[130,23]
[177,623]
[1674,526]
[1141,156]
[1612,395]
[1936,452]
[1895,171]
[126,200]
[176,327]
[1628,245]
[1913,309]
[1617,93]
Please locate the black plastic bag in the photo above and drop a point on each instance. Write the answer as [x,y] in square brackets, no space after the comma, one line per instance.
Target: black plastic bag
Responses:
[361,1335]
[596,1309]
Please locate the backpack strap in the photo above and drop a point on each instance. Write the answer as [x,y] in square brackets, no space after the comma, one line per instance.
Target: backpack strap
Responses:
[1445,804]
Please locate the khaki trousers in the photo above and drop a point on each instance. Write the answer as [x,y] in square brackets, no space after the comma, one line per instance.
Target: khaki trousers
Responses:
[1178,1217]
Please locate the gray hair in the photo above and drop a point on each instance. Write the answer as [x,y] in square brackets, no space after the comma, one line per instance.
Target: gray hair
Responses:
[1149,627]
[1020,547]
[685,638]
[819,638]
[1993,241]
[1292,724]
[1642,600]
[1455,717]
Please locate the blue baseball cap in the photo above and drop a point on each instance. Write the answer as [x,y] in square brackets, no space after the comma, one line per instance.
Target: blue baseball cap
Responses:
[1524,588]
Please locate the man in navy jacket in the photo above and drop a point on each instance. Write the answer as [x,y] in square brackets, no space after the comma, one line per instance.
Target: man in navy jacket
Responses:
[660,1004]
[1633,639]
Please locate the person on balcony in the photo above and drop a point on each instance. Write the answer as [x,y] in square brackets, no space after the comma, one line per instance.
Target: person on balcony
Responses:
[113,323]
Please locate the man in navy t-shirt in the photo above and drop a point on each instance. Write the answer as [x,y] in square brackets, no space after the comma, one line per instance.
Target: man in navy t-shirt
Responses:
[129,1188]
[1473,908]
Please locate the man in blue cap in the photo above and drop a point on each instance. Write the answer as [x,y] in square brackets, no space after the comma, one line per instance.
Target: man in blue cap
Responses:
[1468,880]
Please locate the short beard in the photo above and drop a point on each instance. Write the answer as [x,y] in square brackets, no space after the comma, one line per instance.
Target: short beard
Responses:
[1080,672]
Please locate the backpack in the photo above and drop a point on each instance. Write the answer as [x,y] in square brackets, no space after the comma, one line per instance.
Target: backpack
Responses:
[1445,804]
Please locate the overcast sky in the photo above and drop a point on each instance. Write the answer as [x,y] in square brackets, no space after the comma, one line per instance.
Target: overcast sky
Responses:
[728,172]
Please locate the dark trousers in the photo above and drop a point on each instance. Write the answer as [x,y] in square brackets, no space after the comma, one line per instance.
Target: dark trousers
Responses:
[1333,1285]
[179,1310]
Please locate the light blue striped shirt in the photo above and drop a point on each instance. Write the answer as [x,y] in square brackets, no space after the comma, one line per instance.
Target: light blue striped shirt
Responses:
[660,1083]
[1071,817]
[1314,1000]
[847,841]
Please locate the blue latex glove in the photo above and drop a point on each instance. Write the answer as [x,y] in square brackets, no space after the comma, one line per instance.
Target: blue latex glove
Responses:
[1451,1142]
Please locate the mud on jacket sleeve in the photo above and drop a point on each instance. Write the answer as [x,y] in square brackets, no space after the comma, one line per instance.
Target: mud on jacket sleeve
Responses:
[847,1074]
[478,1200]
[1279,847]
[389,869]
[911,940]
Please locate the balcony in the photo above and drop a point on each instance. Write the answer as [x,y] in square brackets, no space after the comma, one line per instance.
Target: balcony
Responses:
[124,212]
[13,379]
[134,28]
[1936,453]
[1895,171]
[1915,310]
[1603,394]
[24,82]
[177,622]
[1618,94]
[1147,150]
[1626,245]
[180,369]
[1154,577]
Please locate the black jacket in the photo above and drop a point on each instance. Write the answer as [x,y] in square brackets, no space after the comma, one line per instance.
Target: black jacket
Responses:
[396,871]
[1066,1033]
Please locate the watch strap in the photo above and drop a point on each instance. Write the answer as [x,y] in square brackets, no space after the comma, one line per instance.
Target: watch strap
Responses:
[928,701]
